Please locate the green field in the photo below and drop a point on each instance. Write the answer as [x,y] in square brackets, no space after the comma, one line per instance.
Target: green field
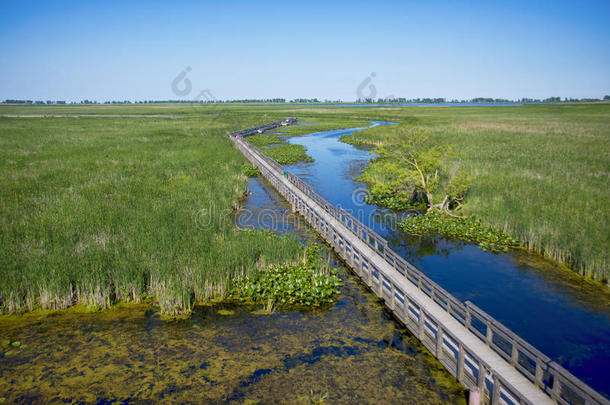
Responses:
[100,210]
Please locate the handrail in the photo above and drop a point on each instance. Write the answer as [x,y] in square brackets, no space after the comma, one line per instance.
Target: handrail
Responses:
[549,376]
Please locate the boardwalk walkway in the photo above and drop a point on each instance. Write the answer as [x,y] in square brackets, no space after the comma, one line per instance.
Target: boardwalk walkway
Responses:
[473,346]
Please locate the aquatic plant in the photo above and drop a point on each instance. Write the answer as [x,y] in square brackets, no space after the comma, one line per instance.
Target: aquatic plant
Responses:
[265,140]
[309,283]
[466,229]
[385,195]
[288,154]
[314,398]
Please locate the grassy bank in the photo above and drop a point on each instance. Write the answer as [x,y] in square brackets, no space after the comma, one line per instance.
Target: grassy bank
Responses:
[539,173]
[279,150]
[288,154]
[99,210]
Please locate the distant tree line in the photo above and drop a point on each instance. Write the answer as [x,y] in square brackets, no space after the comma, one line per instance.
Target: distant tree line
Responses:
[305,100]
[399,100]
[10,101]
[402,100]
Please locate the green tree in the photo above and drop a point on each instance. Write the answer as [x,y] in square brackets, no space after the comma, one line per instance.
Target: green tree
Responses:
[417,164]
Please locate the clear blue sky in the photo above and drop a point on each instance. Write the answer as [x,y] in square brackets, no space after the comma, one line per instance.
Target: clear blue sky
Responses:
[72,50]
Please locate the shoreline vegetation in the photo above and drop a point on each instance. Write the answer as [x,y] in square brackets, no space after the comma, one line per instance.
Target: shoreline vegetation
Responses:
[539,174]
[466,229]
[102,211]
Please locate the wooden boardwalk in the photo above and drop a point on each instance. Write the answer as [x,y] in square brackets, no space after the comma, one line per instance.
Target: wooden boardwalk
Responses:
[475,348]
[262,128]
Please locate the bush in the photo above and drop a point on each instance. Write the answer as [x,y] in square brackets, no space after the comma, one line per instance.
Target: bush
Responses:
[309,283]
[466,229]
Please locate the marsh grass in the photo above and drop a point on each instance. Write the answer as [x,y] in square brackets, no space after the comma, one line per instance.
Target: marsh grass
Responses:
[265,140]
[288,154]
[99,210]
[540,173]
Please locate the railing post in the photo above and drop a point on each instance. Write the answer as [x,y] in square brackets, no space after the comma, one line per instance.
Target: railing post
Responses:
[482,376]
[420,324]
[439,340]
[489,333]
[379,288]
[460,363]
[495,396]
[474,396]
[556,391]
[539,375]
[514,358]
[392,292]
[357,263]
[405,309]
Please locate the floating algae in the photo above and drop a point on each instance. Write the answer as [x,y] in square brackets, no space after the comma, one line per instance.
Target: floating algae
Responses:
[351,352]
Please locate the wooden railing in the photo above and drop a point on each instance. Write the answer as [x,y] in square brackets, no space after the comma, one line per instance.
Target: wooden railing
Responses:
[262,128]
[467,367]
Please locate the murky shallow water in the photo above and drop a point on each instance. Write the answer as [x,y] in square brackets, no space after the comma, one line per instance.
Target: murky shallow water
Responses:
[550,307]
[350,352]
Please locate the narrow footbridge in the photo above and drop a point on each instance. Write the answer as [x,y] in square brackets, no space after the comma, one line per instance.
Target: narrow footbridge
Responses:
[474,347]
[262,128]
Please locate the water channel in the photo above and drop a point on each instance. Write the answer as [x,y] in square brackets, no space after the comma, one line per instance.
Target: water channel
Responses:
[565,317]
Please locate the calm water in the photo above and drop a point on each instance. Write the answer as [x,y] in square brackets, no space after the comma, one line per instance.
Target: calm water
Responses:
[561,315]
